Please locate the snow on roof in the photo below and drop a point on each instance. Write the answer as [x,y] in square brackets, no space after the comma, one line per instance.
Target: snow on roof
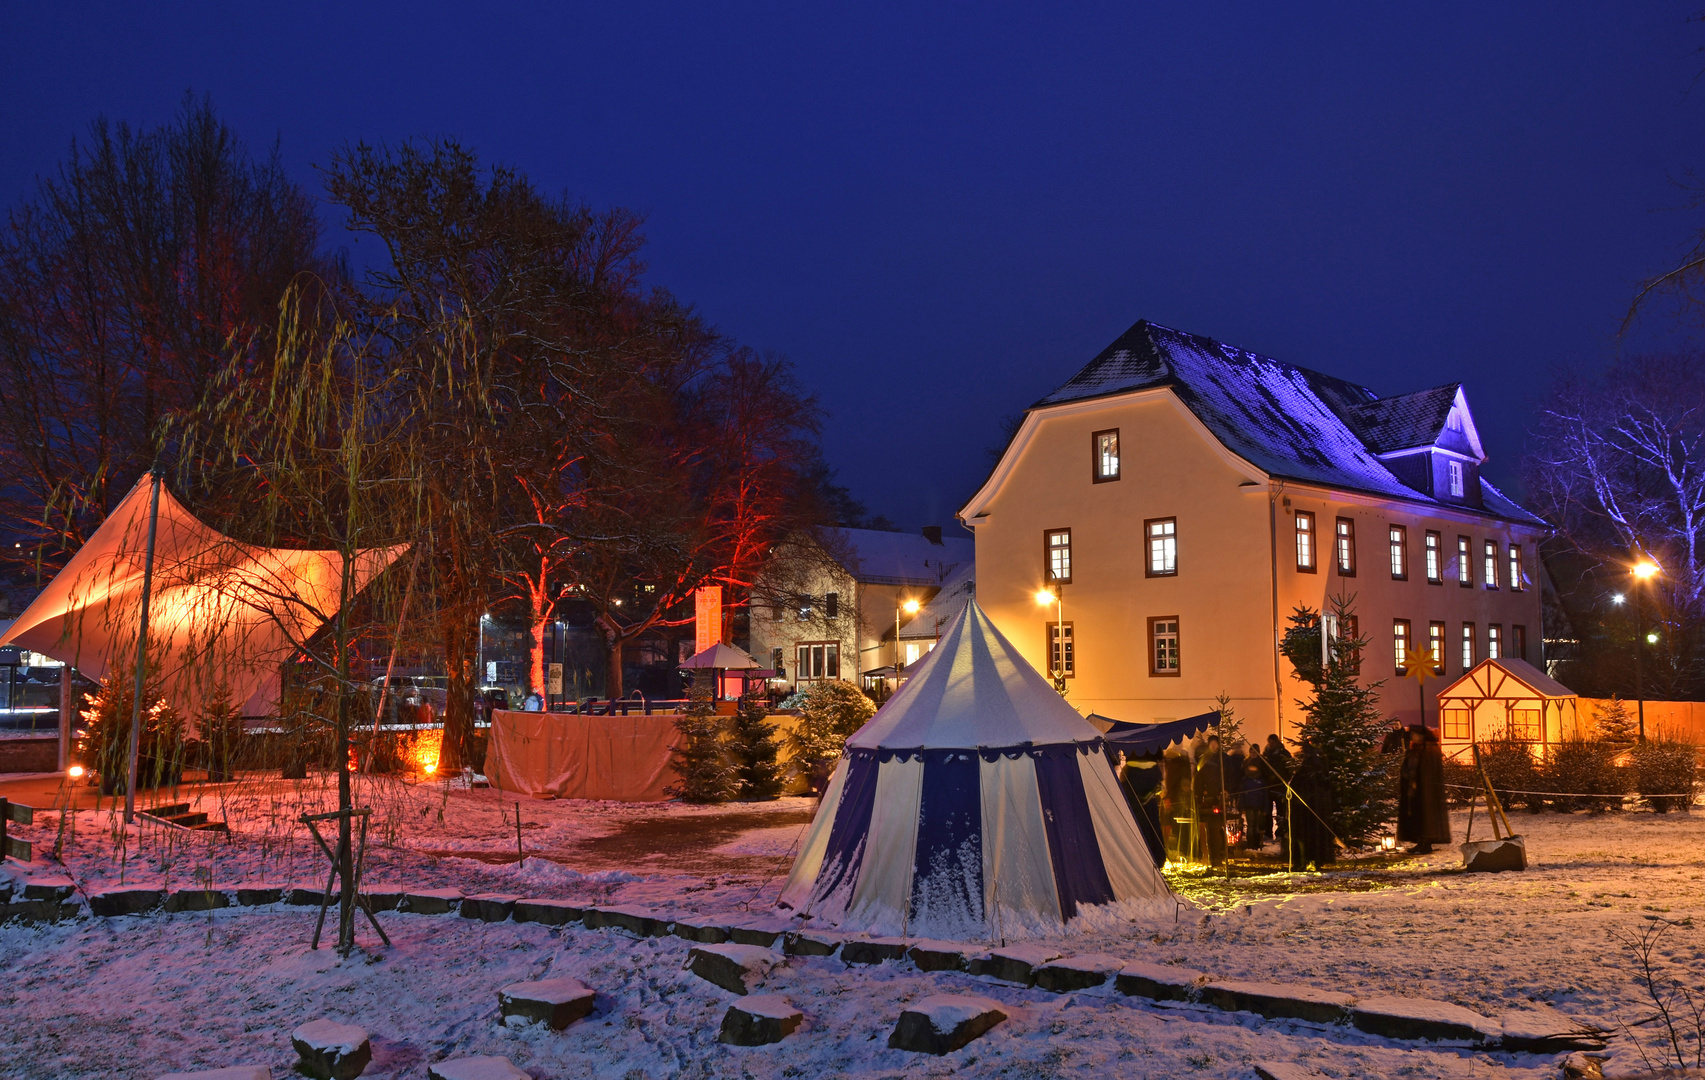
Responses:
[1288,421]
[1474,682]
[973,689]
[897,558]
[1405,420]
[934,616]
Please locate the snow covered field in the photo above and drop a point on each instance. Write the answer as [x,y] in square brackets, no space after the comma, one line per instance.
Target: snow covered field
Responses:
[140,996]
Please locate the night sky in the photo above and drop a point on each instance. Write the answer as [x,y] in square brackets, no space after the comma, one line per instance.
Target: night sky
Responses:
[940,216]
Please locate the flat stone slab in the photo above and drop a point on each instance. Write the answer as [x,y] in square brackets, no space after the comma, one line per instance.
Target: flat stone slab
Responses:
[640,922]
[942,1023]
[197,900]
[110,902]
[1494,856]
[1279,1001]
[489,907]
[706,931]
[736,968]
[1159,982]
[1285,1070]
[1077,972]
[1541,1029]
[937,956]
[556,1003]
[548,912]
[810,943]
[1013,964]
[233,1072]
[330,1050]
[310,895]
[39,911]
[49,887]
[1419,1018]
[483,1067]
[382,898]
[873,950]
[259,895]
[432,901]
[758,1020]
[763,930]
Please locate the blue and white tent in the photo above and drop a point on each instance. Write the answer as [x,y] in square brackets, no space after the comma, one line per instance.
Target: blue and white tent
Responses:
[975,803]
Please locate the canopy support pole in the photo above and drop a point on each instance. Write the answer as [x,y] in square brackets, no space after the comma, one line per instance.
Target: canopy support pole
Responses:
[142,652]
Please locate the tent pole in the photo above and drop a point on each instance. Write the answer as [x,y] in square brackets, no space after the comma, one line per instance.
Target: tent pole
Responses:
[142,652]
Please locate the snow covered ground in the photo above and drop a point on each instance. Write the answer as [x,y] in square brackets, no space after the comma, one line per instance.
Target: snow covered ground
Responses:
[140,996]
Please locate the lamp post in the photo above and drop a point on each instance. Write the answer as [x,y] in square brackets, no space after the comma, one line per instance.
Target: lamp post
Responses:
[1643,571]
[1057,636]
[910,607]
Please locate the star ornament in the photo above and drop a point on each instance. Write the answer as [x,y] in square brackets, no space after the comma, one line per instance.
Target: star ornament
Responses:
[1419,662]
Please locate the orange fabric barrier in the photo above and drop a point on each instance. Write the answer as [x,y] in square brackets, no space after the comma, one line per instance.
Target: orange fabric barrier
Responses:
[564,756]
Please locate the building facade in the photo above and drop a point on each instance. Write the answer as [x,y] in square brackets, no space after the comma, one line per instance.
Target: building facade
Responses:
[1156,520]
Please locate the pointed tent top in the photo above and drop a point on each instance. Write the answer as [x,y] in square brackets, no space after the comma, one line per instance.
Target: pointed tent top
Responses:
[974,689]
[720,656]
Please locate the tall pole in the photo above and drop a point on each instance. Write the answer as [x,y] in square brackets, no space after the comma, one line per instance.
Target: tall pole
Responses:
[142,651]
[1639,649]
[1060,629]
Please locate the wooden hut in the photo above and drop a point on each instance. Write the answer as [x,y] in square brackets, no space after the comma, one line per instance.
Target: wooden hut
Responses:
[1506,698]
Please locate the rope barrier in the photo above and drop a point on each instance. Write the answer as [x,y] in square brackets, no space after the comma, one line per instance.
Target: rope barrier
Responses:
[1577,794]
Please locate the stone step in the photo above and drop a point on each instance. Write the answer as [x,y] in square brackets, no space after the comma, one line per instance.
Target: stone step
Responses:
[942,1023]
[259,895]
[548,912]
[758,1020]
[197,900]
[736,968]
[556,1003]
[1077,972]
[186,819]
[873,950]
[481,1067]
[432,901]
[637,921]
[331,1051]
[810,943]
[489,907]
[122,901]
[1013,963]
[230,1072]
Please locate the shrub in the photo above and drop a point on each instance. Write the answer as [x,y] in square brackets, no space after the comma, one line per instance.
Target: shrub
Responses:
[830,714]
[753,747]
[1665,773]
[1510,768]
[1583,767]
[700,761]
[105,748]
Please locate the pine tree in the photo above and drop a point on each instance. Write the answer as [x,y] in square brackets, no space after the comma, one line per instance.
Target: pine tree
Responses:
[754,748]
[1344,725]
[700,761]
[831,713]
[1615,724]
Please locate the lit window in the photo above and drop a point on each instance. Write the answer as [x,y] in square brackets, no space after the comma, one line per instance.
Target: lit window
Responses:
[1456,724]
[1400,644]
[1057,553]
[818,661]
[1494,641]
[1464,563]
[1456,486]
[1515,568]
[1524,725]
[1106,451]
[1491,564]
[1305,541]
[1062,656]
[1435,558]
[1518,642]
[1163,645]
[1346,549]
[1467,645]
[914,649]
[1399,553]
[1436,646]
[1163,546]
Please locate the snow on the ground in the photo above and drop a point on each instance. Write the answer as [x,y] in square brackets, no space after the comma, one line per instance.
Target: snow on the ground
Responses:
[143,996]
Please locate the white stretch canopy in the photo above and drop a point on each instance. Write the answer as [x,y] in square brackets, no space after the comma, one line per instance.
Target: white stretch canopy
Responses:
[976,803]
[221,612]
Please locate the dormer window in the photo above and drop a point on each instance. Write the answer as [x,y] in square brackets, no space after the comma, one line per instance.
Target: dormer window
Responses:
[1456,486]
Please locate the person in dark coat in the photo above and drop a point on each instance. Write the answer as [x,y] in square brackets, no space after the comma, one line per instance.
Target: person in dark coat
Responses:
[1422,818]
[1279,765]
[1256,800]
[1211,780]
[1309,841]
[1140,779]
[1175,802]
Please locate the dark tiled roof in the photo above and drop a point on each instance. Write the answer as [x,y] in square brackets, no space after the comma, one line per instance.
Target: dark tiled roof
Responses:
[1403,421]
[896,558]
[1288,421]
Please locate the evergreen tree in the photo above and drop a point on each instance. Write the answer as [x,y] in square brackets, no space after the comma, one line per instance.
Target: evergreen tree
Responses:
[754,748]
[700,761]
[832,712]
[1344,725]
[1616,724]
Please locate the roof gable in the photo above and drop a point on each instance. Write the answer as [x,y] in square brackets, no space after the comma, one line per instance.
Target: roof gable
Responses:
[878,557]
[1490,678]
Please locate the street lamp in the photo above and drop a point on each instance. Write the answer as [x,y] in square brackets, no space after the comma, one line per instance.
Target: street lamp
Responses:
[1056,636]
[1642,571]
[910,607]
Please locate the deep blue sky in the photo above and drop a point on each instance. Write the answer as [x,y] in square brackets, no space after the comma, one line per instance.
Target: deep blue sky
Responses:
[941,215]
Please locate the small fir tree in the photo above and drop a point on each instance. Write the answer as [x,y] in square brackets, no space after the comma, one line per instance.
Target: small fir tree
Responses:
[1616,724]
[753,747]
[832,712]
[1344,725]
[700,759]
[105,746]
[221,732]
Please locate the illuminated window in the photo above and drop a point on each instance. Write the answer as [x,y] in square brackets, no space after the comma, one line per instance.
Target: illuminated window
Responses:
[1399,553]
[1163,645]
[1494,641]
[1105,446]
[1400,644]
[1057,555]
[1464,563]
[1456,724]
[1518,642]
[1346,547]
[819,660]
[1163,546]
[1515,568]
[1436,645]
[1491,580]
[1524,725]
[1305,541]
[1456,486]
[1467,645]
[1062,655]
[1435,558]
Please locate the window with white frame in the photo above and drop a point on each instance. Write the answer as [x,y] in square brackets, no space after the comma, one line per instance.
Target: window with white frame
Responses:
[1436,646]
[1400,644]
[818,660]
[1435,558]
[1399,553]
[1515,568]
[1464,563]
[1062,653]
[1305,541]
[1105,447]
[1346,547]
[1467,645]
[1494,641]
[1163,645]
[1491,580]
[1163,546]
[1057,555]
[1456,485]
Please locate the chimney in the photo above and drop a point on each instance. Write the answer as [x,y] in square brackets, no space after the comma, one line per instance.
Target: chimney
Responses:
[932,533]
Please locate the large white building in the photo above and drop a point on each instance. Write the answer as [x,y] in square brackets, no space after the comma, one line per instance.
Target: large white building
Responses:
[1187,495]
